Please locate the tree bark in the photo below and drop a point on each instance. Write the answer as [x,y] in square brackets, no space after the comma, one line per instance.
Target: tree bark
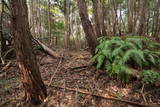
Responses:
[96,17]
[87,26]
[49,21]
[130,16]
[67,22]
[35,90]
[156,24]
[104,33]
[143,17]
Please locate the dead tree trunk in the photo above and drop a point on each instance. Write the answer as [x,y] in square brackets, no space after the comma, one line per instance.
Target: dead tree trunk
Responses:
[46,49]
[35,90]
[87,26]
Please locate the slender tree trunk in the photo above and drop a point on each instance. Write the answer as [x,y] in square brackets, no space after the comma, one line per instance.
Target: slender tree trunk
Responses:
[35,90]
[130,16]
[156,24]
[143,17]
[87,26]
[96,17]
[104,33]
[114,17]
[49,21]
[33,17]
[67,26]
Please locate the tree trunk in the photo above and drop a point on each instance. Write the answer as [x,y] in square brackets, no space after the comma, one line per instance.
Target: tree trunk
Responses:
[114,17]
[143,17]
[87,26]
[67,26]
[49,21]
[35,90]
[96,17]
[104,33]
[130,16]
[156,24]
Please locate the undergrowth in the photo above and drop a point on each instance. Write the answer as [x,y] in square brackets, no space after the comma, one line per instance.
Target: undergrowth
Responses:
[119,56]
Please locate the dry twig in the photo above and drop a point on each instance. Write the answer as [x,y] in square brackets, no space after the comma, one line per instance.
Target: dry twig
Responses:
[144,98]
[6,67]
[60,61]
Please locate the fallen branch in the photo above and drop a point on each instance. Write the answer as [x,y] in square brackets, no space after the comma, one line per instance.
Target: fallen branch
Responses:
[46,49]
[82,67]
[60,61]
[144,98]
[100,96]
[6,67]
[78,67]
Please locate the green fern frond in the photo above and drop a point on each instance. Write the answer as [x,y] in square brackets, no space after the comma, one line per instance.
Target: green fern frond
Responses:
[136,41]
[107,54]
[134,54]
[100,61]
[121,49]
[121,71]
[150,76]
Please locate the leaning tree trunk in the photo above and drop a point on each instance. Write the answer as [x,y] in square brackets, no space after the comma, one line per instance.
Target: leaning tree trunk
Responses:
[35,90]
[87,26]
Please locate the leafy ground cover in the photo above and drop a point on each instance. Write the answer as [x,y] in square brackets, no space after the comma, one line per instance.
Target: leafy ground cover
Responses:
[11,91]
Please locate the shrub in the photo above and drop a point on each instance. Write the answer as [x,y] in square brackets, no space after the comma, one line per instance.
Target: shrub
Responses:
[115,55]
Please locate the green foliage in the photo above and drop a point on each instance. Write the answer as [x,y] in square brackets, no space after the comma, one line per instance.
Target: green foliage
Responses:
[115,55]
[150,77]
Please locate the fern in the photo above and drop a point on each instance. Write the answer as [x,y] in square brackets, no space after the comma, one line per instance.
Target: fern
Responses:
[124,46]
[150,76]
[115,54]
[136,41]
[136,55]
[122,72]
[100,60]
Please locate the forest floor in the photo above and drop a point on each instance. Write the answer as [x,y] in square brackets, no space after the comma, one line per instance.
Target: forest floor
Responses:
[69,73]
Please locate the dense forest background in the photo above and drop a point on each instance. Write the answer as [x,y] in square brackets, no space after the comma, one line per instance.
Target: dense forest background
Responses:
[59,22]
[80,53]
